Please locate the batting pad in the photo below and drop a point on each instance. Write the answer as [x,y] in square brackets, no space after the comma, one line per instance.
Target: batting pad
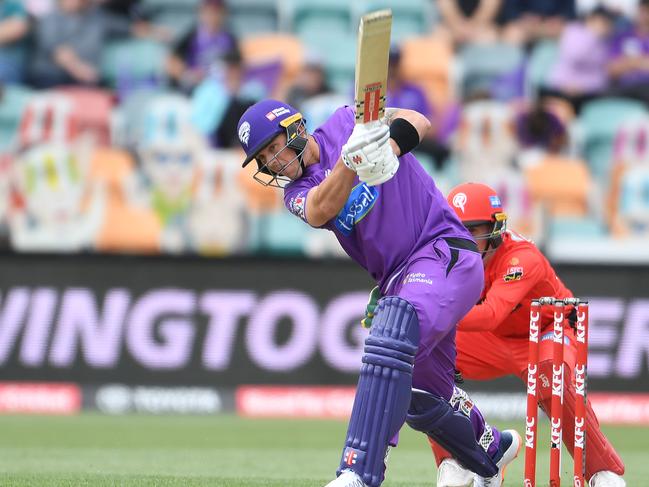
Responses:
[451,429]
[384,388]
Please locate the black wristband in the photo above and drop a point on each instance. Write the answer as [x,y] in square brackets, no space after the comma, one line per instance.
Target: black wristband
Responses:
[404,134]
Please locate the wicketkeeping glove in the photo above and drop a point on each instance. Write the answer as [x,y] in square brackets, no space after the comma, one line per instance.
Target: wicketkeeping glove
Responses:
[375,295]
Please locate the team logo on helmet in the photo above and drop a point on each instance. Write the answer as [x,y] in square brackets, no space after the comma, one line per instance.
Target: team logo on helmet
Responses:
[459,200]
[244,133]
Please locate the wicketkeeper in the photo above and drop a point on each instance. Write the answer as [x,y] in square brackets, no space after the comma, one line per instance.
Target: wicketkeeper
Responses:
[363,184]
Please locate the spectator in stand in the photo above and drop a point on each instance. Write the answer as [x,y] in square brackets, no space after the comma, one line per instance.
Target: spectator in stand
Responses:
[203,46]
[310,82]
[404,94]
[528,21]
[69,42]
[470,21]
[580,71]
[14,26]
[628,64]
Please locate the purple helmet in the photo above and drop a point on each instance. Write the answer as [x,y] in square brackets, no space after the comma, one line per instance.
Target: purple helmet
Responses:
[264,121]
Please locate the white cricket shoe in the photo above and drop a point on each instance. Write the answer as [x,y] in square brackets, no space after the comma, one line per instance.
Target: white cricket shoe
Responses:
[510,444]
[348,478]
[451,474]
[606,478]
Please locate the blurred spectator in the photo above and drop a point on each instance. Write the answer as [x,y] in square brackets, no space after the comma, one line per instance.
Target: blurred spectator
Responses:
[470,21]
[220,100]
[580,72]
[203,45]
[527,21]
[404,94]
[538,128]
[310,82]
[69,42]
[122,8]
[629,58]
[14,26]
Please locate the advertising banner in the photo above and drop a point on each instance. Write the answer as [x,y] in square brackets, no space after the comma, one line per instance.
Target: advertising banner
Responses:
[222,323]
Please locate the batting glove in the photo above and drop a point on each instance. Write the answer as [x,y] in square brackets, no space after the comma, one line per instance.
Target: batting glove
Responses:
[375,295]
[363,144]
[386,164]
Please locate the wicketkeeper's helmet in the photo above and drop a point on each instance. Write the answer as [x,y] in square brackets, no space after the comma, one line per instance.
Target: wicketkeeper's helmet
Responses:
[478,204]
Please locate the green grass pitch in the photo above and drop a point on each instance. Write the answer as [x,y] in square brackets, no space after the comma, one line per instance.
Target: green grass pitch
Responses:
[96,450]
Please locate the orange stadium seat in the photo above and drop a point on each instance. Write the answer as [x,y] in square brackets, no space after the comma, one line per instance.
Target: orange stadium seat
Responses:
[427,62]
[561,185]
[272,47]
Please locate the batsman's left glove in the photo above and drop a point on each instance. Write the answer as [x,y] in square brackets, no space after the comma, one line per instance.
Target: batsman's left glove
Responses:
[375,295]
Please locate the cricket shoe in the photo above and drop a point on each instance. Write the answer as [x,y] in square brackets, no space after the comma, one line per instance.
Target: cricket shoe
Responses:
[452,474]
[508,448]
[347,478]
[606,478]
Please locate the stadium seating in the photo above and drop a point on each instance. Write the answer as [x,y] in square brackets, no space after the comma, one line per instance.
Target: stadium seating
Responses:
[334,17]
[409,17]
[485,64]
[599,122]
[539,65]
[253,17]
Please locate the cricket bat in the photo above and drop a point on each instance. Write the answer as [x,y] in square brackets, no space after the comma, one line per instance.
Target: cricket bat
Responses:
[372,54]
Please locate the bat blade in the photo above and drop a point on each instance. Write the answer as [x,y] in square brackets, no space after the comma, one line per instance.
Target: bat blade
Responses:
[372,55]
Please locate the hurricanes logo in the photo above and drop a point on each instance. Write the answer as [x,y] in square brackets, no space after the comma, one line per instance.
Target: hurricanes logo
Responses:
[459,200]
[244,133]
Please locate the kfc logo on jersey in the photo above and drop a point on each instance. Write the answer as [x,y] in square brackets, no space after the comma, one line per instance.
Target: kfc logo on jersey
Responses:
[244,133]
[459,200]
[514,273]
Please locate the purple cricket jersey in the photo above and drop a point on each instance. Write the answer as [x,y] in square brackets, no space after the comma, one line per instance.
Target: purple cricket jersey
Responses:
[380,227]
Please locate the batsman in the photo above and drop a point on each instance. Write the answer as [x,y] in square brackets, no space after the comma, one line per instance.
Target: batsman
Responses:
[356,177]
[492,339]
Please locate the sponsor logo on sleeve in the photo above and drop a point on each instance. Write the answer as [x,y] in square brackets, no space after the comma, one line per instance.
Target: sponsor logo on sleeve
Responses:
[514,273]
[360,202]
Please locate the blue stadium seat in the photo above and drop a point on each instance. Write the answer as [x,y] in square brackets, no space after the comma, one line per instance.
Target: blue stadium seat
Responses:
[335,17]
[252,17]
[409,17]
[282,233]
[540,63]
[576,228]
[133,62]
[483,65]
[599,122]
[12,105]
[338,54]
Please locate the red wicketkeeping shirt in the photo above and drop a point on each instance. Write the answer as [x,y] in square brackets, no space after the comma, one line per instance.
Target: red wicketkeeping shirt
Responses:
[517,273]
